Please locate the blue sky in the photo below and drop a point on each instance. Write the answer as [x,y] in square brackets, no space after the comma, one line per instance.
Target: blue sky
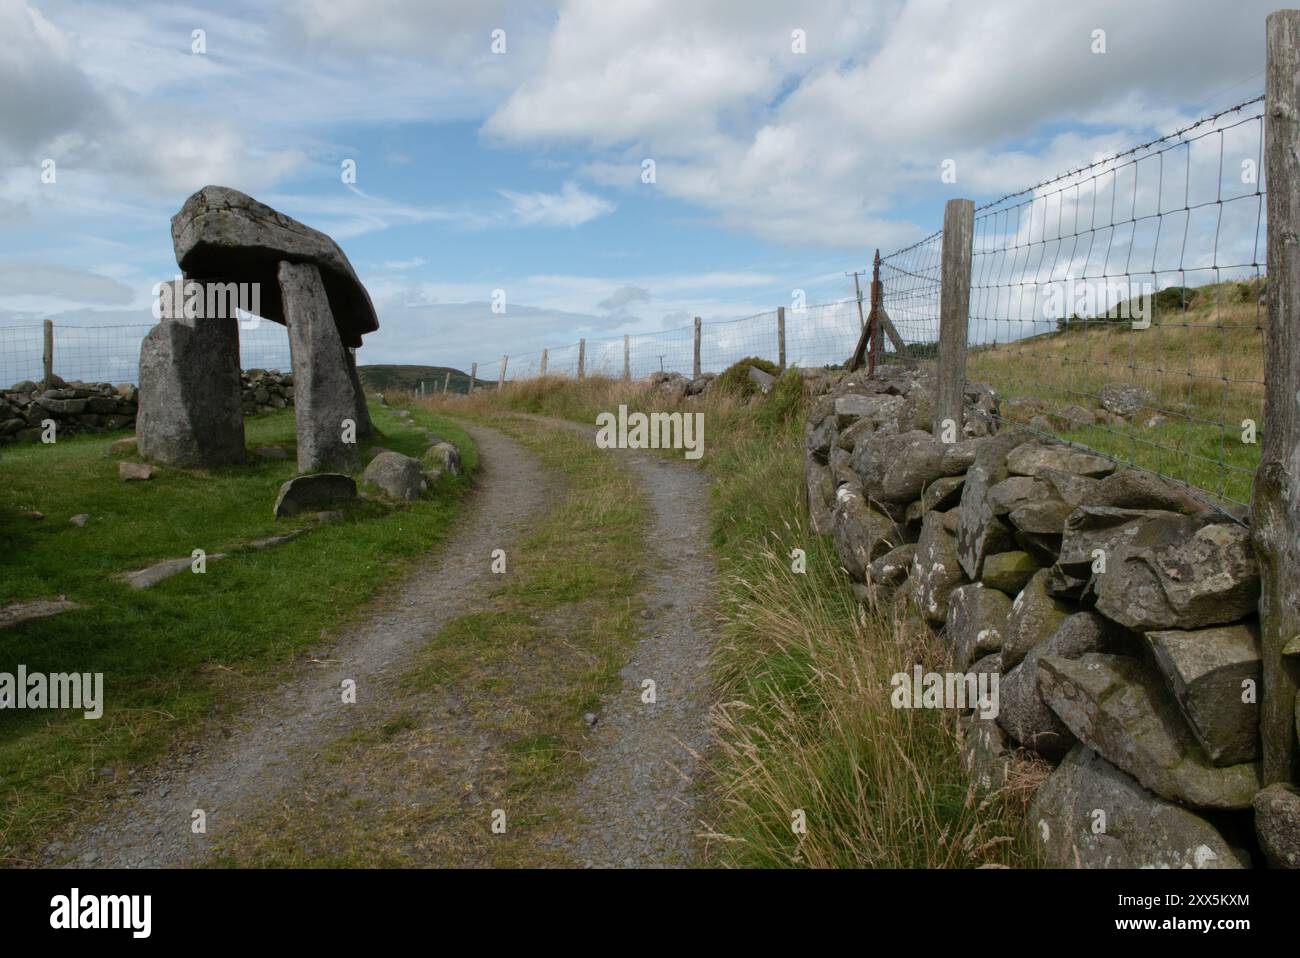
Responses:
[776,170]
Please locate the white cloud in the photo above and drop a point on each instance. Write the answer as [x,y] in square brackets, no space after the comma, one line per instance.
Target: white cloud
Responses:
[830,147]
[572,206]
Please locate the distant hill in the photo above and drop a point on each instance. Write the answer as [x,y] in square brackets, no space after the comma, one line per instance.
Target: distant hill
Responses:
[398,378]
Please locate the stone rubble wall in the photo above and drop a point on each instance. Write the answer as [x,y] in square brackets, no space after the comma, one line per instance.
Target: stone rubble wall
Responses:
[80,407]
[1117,610]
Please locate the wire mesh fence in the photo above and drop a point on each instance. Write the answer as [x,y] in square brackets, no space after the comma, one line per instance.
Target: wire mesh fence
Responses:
[1121,305]
[817,335]
[111,354]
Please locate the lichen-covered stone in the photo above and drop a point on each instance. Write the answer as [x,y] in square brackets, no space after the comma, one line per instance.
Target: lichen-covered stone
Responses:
[1008,572]
[1209,672]
[1117,707]
[935,569]
[976,619]
[1035,616]
[1135,829]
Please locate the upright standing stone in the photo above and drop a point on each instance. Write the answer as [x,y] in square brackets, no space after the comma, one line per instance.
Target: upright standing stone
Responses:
[189,410]
[324,399]
[365,427]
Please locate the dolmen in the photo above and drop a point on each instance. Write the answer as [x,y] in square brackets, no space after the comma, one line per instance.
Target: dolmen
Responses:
[237,254]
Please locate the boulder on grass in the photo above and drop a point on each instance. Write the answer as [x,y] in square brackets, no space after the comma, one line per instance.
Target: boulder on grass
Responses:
[308,493]
[396,476]
[445,457]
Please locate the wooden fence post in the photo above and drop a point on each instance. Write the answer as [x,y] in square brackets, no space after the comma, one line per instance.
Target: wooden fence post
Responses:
[582,359]
[1275,519]
[780,336]
[473,375]
[501,379]
[697,348]
[446,383]
[49,354]
[627,359]
[954,313]
[543,369]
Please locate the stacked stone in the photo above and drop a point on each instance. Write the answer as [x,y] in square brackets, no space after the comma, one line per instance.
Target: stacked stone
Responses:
[1117,610]
[78,407]
[264,390]
[75,407]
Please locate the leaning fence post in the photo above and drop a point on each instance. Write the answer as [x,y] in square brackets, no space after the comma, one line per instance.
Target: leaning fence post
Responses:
[49,354]
[446,383]
[582,359]
[627,359]
[697,348]
[473,375]
[780,336]
[501,379]
[1275,513]
[954,310]
[542,372]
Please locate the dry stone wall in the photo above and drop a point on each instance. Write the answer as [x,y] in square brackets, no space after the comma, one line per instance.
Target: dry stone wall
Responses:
[1116,611]
[78,407]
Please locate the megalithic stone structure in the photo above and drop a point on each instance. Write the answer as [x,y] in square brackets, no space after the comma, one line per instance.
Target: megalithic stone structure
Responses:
[190,413]
[324,402]
[224,236]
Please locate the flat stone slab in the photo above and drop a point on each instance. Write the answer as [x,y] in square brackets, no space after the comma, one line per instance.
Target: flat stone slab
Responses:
[151,575]
[224,235]
[16,613]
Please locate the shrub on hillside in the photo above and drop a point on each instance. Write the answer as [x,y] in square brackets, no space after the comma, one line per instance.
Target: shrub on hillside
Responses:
[735,381]
[785,401]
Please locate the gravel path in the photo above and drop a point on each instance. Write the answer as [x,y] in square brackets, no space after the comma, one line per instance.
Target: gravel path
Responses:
[273,741]
[637,805]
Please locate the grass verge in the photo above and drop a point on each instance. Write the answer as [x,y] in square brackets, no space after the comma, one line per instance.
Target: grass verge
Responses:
[172,653]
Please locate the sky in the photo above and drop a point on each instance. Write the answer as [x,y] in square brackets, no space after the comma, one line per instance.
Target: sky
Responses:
[502,145]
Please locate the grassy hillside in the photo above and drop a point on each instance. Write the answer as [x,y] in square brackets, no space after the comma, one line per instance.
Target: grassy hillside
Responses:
[1203,364]
[408,378]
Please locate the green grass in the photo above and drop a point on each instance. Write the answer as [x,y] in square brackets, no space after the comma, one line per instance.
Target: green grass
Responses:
[1204,366]
[171,653]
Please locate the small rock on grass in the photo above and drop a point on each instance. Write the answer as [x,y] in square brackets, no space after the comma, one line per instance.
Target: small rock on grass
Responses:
[134,471]
[81,519]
